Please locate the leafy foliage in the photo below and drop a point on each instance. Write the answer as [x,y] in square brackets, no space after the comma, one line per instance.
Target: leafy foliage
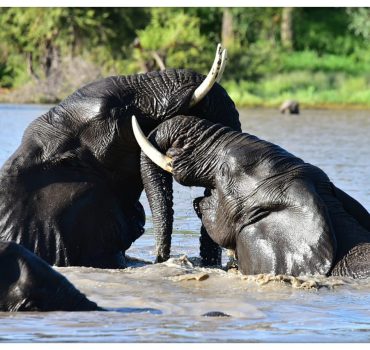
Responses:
[330,46]
[360,21]
[43,36]
[175,37]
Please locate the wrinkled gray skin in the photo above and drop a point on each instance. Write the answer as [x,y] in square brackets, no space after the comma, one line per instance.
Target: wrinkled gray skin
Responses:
[280,214]
[70,192]
[28,283]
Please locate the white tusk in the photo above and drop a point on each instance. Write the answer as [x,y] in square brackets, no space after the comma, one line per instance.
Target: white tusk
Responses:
[153,154]
[215,74]
[223,59]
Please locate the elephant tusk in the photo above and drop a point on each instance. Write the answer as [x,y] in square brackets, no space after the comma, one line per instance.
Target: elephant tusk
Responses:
[223,65]
[214,75]
[152,153]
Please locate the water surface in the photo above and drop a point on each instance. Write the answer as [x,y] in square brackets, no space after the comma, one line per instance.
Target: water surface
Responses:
[159,303]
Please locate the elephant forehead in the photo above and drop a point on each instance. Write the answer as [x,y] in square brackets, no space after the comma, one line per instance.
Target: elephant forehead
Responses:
[164,103]
[166,84]
[171,77]
[252,156]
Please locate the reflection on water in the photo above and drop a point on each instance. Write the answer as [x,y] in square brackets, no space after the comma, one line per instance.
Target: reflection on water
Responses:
[165,302]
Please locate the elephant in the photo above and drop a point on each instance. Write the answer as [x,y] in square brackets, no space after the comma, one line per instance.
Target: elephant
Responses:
[291,106]
[29,284]
[70,192]
[279,214]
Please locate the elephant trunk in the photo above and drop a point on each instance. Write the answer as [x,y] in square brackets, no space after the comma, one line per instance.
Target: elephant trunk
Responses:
[158,188]
[193,144]
[188,147]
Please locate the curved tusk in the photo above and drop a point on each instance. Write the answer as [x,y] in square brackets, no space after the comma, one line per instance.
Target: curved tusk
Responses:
[153,154]
[215,74]
[223,65]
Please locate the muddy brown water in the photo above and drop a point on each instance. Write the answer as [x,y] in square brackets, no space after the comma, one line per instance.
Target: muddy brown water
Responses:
[165,302]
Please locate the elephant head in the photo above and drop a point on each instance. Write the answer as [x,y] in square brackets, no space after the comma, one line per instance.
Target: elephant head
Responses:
[30,284]
[263,202]
[99,114]
[155,96]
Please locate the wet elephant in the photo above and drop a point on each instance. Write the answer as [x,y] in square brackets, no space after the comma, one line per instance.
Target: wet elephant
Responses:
[27,283]
[280,214]
[290,106]
[70,192]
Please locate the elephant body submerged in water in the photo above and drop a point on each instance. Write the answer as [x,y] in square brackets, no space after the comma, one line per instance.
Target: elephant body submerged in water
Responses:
[28,283]
[280,214]
[70,192]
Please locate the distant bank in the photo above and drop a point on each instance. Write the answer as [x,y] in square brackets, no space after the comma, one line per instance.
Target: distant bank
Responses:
[316,90]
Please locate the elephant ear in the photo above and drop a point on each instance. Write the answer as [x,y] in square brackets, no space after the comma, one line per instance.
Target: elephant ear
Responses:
[295,238]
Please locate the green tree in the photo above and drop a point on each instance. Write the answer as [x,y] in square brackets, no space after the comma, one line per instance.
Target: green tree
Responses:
[286,33]
[360,21]
[324,30]
[40,37]
[227,34]
[173,38]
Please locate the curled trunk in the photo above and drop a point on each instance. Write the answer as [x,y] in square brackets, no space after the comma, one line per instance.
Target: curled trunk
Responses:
[194,169]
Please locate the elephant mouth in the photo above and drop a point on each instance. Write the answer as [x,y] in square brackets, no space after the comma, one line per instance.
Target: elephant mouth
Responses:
[207,203]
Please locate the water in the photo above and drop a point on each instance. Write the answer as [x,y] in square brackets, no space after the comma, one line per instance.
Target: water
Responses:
[159,303]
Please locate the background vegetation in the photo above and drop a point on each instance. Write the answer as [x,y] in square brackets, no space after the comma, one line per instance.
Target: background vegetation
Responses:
[319,56]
